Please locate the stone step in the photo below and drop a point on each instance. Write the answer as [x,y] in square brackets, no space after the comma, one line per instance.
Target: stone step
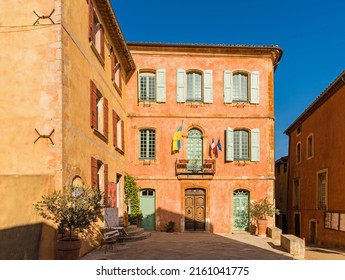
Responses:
[134,237]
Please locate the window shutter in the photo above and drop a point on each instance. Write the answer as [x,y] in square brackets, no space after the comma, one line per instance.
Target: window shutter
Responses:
[180,85]
[138,77]
[105,191]
[254,87]
[105,115]
[255,144]
[229,144]
[94,171]
[102,41]
[208,86]
[114,129]
[123,135]
[112,59]
[161,85]
[93,101]
[91,34]
[227,86]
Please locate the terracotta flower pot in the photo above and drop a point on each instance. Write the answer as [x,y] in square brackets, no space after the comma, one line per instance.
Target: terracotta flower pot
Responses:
[262,227]
[68,249]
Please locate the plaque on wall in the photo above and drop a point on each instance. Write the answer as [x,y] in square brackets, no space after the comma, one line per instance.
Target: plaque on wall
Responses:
[335,221]
[342,222]
[327,220]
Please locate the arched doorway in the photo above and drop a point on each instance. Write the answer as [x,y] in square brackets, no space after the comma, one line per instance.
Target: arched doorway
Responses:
[195,209]
[240,210]
[148,209]
[194,150]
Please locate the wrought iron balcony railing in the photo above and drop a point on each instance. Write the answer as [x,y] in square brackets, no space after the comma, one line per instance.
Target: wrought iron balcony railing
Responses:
[195,167]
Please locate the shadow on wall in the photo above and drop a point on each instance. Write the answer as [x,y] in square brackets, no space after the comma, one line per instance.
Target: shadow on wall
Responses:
[26,242]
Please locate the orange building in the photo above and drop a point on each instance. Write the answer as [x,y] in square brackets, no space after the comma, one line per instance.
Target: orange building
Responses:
[316,198]
[201,96]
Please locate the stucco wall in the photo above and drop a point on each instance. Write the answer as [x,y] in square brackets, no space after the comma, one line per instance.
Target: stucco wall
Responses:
[30,78]
[212,120]
[327,128]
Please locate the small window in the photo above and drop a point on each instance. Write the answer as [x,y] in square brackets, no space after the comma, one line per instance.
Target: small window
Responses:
[152,86]
[322,190]
[241,87]
[296,194]
[99,111]
[96,33]
[299,130]
[241,145]
[240,90]
[310,146]
[115,70]
[147,87]
[147,144]
[194,86]
[298,152]
[118,133]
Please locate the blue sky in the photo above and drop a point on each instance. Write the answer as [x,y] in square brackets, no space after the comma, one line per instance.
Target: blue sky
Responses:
[310,32]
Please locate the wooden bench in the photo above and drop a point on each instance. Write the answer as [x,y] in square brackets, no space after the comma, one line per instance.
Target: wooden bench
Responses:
[294,245]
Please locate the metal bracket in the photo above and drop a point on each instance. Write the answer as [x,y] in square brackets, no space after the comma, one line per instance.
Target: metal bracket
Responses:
[44,17]
[45,136]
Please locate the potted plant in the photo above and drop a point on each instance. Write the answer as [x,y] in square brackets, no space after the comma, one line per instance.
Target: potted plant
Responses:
[259,211]
[74,210]
[170,226]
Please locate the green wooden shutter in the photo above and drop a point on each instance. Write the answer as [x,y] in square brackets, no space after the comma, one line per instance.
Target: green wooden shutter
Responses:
[229,144]
[254,87]
[227,86]
[208,86]
[180,85]
[161,85]
[255,144]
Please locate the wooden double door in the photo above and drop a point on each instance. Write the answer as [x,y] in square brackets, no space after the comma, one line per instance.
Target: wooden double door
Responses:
[195,209]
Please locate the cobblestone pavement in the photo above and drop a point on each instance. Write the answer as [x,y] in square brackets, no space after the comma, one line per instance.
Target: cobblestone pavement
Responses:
[206,246]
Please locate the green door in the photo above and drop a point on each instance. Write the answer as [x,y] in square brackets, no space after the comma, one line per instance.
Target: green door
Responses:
[148,209]
[194,150]
[240,210]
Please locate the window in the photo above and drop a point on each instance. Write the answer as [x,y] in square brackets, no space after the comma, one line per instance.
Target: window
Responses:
[240,91]
[296,194]
[99,175]
[115,70]
[298,152]
[147,144]
[310,146]
[152,86]
[241,87]
[96,33]
[242,144]
[118,133]
[99,111]
[322,190]
[147,87]
[194,86]
[194,150]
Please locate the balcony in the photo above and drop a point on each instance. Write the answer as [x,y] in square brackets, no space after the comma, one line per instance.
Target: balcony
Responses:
[185,168]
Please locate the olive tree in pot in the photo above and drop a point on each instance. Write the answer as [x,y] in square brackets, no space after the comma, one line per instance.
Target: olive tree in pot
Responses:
[74,210]
[259,211]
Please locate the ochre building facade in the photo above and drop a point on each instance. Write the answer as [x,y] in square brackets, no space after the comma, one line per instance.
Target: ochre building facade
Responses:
[214,94]
[316,197]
